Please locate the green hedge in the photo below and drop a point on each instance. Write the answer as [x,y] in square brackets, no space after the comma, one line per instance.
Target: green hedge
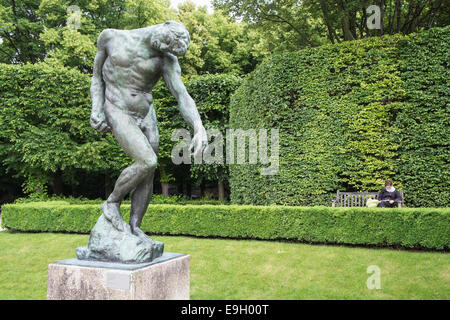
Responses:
[408,227]
[156,199]
[350,116]
[423,122]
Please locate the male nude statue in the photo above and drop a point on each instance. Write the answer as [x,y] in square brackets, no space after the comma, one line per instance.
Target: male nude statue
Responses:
[127,66]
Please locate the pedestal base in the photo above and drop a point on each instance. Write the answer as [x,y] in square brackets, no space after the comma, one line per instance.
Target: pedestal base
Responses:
[165,278]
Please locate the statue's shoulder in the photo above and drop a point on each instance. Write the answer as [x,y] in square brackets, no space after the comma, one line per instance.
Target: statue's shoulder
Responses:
[170,59]
[170,64]
[106,35]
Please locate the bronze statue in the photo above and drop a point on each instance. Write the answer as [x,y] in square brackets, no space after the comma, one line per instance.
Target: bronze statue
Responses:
[127,66]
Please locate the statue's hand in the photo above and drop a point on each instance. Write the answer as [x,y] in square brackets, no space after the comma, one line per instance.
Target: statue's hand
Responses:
[199,142]
[98,122]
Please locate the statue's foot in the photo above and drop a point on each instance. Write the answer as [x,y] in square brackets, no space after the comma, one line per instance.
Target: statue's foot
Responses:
[111,211]
[139,233]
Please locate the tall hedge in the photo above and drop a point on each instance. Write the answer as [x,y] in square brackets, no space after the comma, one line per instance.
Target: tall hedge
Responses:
[350,116]
[423,123]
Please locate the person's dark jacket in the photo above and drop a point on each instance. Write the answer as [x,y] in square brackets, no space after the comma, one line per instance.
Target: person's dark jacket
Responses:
[386,195]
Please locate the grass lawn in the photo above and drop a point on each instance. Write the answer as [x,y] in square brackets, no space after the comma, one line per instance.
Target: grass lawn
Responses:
[247,269]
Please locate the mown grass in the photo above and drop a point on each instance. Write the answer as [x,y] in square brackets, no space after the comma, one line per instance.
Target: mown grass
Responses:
[247,269]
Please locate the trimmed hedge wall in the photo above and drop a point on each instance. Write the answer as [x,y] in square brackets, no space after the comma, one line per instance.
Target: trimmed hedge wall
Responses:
[408,227]
[350,116]
[423,122]
[156,199]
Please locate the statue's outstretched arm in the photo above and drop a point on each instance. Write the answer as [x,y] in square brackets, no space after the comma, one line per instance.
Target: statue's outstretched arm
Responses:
[188,109]
[98,121]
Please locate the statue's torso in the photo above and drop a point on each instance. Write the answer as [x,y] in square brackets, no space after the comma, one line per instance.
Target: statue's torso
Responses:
[130,72]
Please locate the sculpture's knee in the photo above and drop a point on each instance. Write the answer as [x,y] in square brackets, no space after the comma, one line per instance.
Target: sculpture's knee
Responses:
[149,165]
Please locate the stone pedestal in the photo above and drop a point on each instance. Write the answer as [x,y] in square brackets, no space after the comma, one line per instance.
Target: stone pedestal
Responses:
[165,278]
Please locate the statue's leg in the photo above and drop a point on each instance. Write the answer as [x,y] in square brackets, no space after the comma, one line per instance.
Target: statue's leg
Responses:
[141,196]
[136,145]
[140,199]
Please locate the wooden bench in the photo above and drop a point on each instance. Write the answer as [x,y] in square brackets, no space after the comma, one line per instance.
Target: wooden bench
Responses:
[357,199]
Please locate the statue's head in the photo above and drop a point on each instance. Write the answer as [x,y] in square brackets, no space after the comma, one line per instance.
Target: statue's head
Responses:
[171,37]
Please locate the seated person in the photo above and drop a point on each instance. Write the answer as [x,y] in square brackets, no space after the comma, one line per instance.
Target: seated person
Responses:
[388,196]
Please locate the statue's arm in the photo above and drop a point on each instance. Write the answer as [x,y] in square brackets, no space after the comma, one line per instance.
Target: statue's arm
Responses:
[98,120]
[172,78]
[188,109]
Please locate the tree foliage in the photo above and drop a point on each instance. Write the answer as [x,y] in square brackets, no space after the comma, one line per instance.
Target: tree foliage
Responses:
[218,43]
[307,23]
[44,126]
[20,27]
[37,30]
[34,30]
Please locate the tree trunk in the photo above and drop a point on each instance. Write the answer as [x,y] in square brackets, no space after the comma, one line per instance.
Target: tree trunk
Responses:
[398,13]
[221,190]
[188,189]
[185,189]
[57,184]
[345,21]
[363,31]
[165,188]
[390,18]
[202,189]
[108,185]
[433,11]
[381,5]
[353,25]
[415,19]
[407,21]
[331,31]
